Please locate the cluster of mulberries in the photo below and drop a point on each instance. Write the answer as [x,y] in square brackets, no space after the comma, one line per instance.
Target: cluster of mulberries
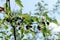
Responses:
[14,19]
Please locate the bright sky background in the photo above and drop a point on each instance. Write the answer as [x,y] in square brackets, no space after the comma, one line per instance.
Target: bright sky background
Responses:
[29,5]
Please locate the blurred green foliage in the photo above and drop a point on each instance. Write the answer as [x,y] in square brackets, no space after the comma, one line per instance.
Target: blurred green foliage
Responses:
[25,19]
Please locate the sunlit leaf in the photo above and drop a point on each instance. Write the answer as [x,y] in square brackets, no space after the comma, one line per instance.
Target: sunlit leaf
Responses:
[5,27]
[18,2]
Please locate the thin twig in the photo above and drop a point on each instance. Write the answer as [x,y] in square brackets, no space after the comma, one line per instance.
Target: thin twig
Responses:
[14,33]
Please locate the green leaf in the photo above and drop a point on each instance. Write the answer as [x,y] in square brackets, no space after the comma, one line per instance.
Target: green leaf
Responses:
[55,21]
[0,22]
[11,30]
[18,2]
[6,27]
[34,18]
[4,6]
[6,15]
